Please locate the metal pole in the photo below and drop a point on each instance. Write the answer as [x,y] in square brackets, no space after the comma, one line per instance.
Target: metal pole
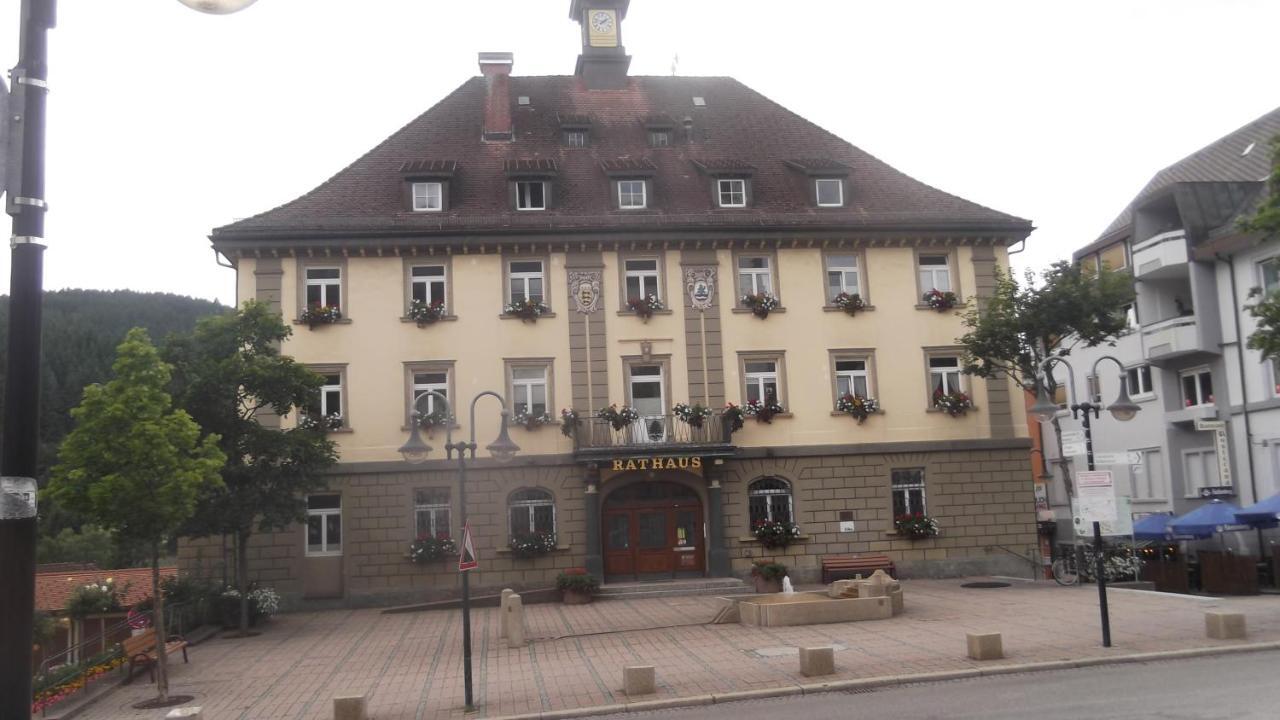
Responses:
[466,579]
[1099,564]
[25,202]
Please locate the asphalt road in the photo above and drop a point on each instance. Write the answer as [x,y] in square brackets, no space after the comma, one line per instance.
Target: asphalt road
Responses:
[1226,687]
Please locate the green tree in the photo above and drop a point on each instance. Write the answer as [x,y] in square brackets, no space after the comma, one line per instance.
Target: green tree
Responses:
[1266,222]
[91,544]
[1012,333]
[135,465]
[230,375]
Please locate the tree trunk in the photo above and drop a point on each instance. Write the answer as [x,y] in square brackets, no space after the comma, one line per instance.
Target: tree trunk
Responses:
[1062,459]
[162,662]
[242,578]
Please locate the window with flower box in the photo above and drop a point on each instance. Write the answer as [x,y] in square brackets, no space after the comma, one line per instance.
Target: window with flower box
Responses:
[769,500]
[934,271]
[641,278]
[944,375]
[428,283]
[526,281]
[328,408]
[1197,387]
[431,512]
[907,488]
[844,275]
[324,287]
[761,380]
[852,377]
[530,388]
[532,511]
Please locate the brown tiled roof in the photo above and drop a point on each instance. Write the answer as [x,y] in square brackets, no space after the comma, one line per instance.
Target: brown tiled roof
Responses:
[53,589]
[571,120]
[723,165]
[819,166]
[366,197]
[442,168]
[545,166]
[628,166]
[1219,161]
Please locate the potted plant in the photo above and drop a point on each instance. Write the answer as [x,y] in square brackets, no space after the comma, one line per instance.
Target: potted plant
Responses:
[527,310]
[425,313]
[320,423]
[955,403]
[856,406]
[577,586]
[569,422]
[428,549]
[916,526]
[763,411]
[939,300]
[767,576]
[530,420]
[434,419]
[694,414]
[849,303]
[532,545]
[645,307]
[318,314]
[775,533]
[760,303]
[733,417]
[619,417]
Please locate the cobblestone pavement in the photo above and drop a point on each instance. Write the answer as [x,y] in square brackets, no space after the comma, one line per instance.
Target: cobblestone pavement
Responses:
[410,665]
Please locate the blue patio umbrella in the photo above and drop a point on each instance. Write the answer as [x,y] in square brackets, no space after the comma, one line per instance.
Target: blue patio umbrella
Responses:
[1152,527]
[1206,521]
[1263,514]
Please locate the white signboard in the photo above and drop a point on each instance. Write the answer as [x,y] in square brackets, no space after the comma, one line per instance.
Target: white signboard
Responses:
[1071,449]
[1096,498]
[1122,525]
[1224,457]
[1073,436]
[1202,424]
[1117,458]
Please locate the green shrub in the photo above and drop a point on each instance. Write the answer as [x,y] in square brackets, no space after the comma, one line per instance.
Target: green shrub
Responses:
[580,581]
[768,570]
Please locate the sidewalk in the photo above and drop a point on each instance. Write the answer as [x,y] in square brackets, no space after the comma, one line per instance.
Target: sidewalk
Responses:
[410,665]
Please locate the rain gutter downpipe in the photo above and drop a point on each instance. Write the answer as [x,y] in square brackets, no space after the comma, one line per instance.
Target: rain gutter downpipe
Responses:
[1244,387]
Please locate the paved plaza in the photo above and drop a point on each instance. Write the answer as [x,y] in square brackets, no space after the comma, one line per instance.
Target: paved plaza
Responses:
[410,665]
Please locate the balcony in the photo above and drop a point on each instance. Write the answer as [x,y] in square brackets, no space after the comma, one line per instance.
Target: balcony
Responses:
[1162,256]
[1175,338]
[658,435]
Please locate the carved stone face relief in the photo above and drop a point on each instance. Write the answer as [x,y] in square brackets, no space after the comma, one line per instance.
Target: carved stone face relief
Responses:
[701,286]
[584,287]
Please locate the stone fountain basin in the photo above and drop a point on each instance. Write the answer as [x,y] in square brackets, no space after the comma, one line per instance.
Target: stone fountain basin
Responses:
[813,608]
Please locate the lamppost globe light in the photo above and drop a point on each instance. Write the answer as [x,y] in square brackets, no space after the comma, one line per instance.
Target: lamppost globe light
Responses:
[415,451]
[218,7]
[1045,408]
[1123,409]
[503,449]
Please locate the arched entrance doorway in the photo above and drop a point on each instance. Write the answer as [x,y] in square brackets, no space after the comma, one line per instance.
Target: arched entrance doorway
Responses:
[653,531]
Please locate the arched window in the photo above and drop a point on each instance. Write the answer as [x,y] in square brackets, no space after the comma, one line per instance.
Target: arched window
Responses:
[532,510]
[769,499]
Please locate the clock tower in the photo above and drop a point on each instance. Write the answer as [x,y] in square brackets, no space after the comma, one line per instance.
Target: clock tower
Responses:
[603,63]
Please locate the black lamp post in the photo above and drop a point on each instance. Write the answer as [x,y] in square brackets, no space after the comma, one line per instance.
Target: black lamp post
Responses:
[22,148]
[1123,409]
[415,451]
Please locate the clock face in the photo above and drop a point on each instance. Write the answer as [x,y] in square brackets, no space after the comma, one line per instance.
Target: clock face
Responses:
[602,21]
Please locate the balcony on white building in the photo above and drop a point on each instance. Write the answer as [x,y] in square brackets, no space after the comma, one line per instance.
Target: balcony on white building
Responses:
[1161,256]
[1176,337]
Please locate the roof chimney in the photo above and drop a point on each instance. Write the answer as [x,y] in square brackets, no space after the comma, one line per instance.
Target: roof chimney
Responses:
[496,68]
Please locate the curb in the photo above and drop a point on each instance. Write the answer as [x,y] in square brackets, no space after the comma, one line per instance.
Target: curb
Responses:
[885,681]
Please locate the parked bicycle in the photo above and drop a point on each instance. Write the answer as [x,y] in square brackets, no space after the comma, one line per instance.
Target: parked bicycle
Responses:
[1078,564]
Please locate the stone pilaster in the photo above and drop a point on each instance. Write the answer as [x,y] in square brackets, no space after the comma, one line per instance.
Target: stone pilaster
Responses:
[591,516]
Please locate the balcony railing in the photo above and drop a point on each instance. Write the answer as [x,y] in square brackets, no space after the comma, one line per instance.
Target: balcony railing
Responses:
[1164,255]
[1174,338]
[650,433]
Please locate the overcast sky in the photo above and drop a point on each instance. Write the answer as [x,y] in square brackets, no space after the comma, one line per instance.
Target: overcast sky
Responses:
[165,123]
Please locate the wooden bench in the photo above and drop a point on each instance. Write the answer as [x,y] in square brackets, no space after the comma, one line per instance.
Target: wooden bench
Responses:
[141,651]
[844,567]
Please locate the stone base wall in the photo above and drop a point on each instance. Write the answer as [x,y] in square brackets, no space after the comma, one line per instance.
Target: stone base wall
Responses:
[983,501]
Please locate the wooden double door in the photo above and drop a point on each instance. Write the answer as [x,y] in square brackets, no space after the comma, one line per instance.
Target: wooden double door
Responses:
[653,531]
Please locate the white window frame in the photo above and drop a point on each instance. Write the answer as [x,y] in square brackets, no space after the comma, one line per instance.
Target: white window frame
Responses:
[428,281]
[772,497]
[1210,470]
[851,376]
[749,279]
[524,198]
[945,373]
[934,272]
[905,488]
[424,193]
[575,138]
[327,286]
[1151,457]
[741,191]
[524,276]
[323,514]
[650,281]
[760,379]
[1200,401]
[326,389]
[1273,375]
[1133,380]
[818,183]
[432,508]
[631,193]
[418,388]
[844,272]
[548,500]
[1262,274]
[527,386]
[659,138]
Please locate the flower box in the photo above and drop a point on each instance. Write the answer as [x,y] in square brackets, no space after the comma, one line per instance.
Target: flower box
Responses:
[940,300]
[619,417]
[954,404]
[526,310]
[320,315]
[760,304]
[763,412]
[916,526]
[645,307]
[695,415]
[857,407]
[851,304]
[775,533]
[425,313]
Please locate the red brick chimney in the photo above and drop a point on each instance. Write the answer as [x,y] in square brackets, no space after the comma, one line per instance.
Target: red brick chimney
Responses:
[496,68]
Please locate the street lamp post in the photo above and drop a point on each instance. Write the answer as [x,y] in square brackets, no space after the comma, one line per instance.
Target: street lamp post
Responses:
[415,451]
[1123,409]
[22,149]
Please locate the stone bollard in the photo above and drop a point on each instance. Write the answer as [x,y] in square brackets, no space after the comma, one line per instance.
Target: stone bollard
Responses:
[1221,625]
[817,661]
[349,707]
[514,621]
[985,646]
[502,612]
[638,680]
[185,713]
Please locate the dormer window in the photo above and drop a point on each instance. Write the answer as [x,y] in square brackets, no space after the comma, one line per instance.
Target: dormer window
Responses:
[428,196]
[659,138]
[632,195]
[531,195]
[731,192]
[575,138]
[830,192]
